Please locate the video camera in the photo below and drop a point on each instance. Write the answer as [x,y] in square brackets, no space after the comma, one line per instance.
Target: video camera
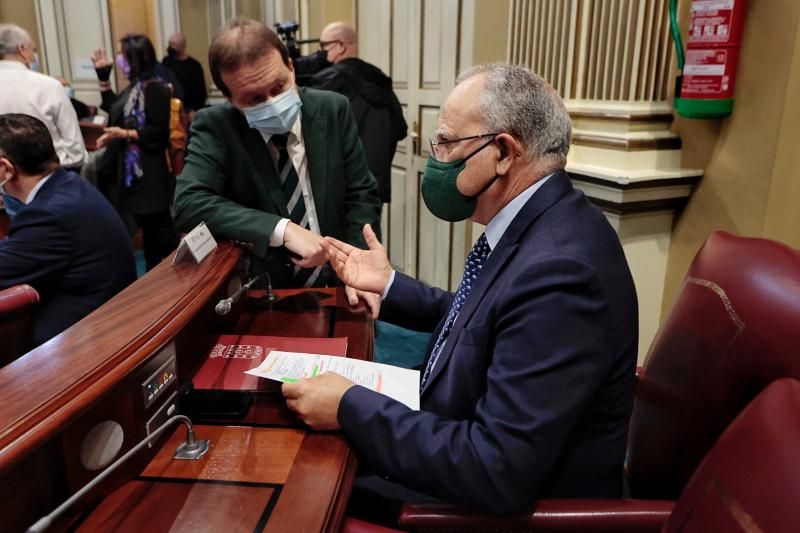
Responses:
[304,66]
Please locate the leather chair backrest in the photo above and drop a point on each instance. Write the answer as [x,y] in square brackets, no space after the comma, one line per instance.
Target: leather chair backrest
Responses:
[733,328]
[750,480]
[17,309]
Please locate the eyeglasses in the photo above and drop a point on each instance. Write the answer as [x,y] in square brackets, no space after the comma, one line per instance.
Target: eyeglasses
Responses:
[323,44]
[441,150]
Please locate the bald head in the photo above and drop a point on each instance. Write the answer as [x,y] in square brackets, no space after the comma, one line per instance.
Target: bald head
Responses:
[340,41]
[178,43]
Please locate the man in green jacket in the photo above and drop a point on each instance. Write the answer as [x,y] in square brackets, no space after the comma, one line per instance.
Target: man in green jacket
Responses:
[275,168]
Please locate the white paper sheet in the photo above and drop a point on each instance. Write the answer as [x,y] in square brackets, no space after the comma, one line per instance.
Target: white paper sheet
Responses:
[399,383]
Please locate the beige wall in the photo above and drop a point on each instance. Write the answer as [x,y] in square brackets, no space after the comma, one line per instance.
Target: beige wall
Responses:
[490,31]
[22,14]
[752,179]
[131,17]
[196,33]
[323,12]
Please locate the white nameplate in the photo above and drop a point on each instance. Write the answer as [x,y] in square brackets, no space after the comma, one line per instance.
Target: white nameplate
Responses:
[198,243]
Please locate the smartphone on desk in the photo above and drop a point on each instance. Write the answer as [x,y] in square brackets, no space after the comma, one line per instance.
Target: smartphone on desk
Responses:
[210,403]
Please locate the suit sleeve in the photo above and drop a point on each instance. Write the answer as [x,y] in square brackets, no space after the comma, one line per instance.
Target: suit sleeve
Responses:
[415,305]
[361,197]
[549,353]
[200,192]
[37,251]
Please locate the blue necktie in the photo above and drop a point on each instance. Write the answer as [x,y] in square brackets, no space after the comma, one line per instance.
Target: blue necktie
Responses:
[295,204]
[472,269]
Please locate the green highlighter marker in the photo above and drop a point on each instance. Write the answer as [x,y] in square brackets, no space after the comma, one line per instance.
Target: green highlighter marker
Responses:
[289,380]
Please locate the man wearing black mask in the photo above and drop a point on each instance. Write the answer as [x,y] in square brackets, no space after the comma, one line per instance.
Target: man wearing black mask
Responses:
[189,72]
[378,113]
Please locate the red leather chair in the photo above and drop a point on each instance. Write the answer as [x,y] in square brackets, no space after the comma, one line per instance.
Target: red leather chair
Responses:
[731,331]
[17,307]
[750,480]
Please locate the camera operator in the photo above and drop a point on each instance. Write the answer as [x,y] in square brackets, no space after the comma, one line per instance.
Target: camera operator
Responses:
[304,66]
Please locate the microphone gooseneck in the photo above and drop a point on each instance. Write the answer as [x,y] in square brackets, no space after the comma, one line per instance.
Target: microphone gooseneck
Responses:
[225,305]
[270,296]
[196,450]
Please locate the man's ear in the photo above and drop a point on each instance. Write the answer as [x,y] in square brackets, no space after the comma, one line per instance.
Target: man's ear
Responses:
[6,169]
[509,151]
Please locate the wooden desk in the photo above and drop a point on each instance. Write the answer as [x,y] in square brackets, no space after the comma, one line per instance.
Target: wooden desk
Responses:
[265,471]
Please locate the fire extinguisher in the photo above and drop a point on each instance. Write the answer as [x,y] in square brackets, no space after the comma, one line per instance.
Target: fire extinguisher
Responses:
[704,89]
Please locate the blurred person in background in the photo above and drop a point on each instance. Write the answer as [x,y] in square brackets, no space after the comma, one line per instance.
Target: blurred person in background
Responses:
[378,113]
[23,90]
[65,240]
[189,72]
[133,172]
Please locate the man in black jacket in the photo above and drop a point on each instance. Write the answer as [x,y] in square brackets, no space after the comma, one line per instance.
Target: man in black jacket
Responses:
[189,72]
[376,108]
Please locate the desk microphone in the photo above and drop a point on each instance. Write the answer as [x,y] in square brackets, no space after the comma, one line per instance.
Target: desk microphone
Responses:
[190,449]
[224,306]
[270,296]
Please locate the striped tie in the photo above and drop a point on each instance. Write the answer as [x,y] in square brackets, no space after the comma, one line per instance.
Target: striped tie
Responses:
[295,204]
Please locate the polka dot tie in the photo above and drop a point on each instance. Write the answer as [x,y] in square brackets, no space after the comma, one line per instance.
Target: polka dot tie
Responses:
[472,269]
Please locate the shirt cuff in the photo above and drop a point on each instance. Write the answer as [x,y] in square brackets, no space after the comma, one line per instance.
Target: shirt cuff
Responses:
[276,237]
[388,285]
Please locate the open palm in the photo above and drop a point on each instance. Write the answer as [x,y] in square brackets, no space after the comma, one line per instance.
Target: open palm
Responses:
[367,270]
[100,59]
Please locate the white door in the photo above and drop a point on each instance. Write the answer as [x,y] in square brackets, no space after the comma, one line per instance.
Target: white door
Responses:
[421,55]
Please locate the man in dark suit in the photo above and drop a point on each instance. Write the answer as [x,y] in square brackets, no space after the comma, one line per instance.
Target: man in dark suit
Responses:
[527,386]
[275,167]
[65,238]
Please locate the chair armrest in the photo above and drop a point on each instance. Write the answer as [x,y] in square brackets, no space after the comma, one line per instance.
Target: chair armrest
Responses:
[353,525]
[552,516]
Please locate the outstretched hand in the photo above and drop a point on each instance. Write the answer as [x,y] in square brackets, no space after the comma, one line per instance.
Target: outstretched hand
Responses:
[365,270]
[100,59]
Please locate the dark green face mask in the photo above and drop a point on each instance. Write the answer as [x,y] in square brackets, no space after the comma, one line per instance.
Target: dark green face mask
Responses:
[440,193]
[439,189]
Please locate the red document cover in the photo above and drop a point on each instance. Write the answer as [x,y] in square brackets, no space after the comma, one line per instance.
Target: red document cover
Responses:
[231,355]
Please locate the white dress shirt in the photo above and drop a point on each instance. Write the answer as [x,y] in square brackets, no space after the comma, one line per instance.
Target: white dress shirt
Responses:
[31,93]
[297,151]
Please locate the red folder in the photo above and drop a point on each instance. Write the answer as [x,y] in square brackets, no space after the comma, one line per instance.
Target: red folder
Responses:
[232,355]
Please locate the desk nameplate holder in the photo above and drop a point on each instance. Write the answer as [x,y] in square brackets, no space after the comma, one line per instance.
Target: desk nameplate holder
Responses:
[197,244]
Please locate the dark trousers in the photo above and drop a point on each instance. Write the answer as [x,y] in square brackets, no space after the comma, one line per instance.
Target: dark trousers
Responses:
[159,237]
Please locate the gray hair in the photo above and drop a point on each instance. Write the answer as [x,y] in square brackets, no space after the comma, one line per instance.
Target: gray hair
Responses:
[517,101]
[12,36]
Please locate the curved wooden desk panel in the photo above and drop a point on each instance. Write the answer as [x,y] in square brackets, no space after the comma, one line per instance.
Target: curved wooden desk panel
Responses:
[50,385]
[289,477]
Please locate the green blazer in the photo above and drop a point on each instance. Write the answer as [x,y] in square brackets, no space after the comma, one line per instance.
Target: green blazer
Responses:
[229,181]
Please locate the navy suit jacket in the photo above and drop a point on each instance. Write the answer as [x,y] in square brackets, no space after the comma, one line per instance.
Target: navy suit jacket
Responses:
[533,390]
[71,246]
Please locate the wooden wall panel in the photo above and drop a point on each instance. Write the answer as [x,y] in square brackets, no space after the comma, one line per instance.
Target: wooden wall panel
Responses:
[614,50]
